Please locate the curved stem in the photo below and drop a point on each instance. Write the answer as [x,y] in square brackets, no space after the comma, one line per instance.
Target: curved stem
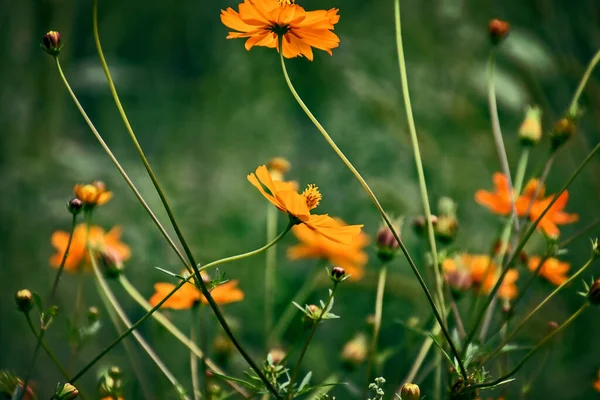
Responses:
[376,325]
[62,262]
[108,294]
[532,351]
[536,309]
[584,79]
[49,352]
[119,167]
[176,332]
[307,343]
[384,215]
[417,154]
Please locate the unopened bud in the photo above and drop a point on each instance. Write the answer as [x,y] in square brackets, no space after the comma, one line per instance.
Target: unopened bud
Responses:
[277,355]
[93,314]
[562,131]
[459,281]
[51,43]
[552,326]
[355,351]
[387,245]
[74,205]
[498,30]
[594,293]
[446,229]
[24,300]
[111,264]
[420,224]
[337,274]
[65,392]
[410,391]
[530,131]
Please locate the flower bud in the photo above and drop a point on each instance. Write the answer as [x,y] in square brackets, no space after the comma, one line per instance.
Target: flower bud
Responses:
[92,194]
[313,314]
[563,129]
[355,351]
[24,300]
[277,355]
[459,281]
[111,264]
[51,43]
[110,383]
[552,326]
[420,224]
[65,392]
[596,247]
[594,293]
[337,274]
[410,391]
[387,245]
[446,229]
[498,30]
[93,314]
[278,167]
[530,131]
[74,205]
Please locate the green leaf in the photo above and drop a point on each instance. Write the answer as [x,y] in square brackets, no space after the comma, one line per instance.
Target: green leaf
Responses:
[37,300]
[170,273]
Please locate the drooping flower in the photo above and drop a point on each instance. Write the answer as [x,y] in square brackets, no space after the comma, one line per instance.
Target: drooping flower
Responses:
[263,22]
[555,215]
[94,194]
[553,270]
[499,201]
[189,295]
[105,243]
[284,196]
[313,245]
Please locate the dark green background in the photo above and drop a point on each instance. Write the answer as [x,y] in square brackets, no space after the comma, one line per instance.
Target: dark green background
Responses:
[207,112]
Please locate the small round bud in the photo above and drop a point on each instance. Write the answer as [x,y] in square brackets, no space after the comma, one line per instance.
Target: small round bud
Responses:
[387,245]
[498,30]
[65,392]
[410,391]
[115,372]
[215,391]
[552,326]
[420,224]
[355,351]
[594,293]
[337,274]
[313,314]
[278,167]
[51,43]
[93,314]
[530,131]
[24,300]
[446,229]
[74,205]
[459,280]
[111,264]
[562,131]
[277,355]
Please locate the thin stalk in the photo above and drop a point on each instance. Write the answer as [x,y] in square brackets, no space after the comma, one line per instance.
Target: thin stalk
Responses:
[460,327]
[384,215]
[532,351]
[290,311]
[376,325]
[497,132]
[105,290]
[417,154]
[541,181]
[537,308]
[532,228]
[119,167]
[270,270]
[194,358]
[176,332]
[418,362]
[437,379]
[584,79]
[307,343]
[578,234]
[49,352]
[62,262]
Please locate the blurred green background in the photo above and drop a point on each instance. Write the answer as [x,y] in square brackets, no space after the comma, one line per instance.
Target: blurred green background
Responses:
[207,113]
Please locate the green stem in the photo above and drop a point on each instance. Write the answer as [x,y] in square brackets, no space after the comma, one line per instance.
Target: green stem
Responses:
[270,270]
[584,79]
[418,362]
[437,379]
[49,352]
[119,167]
[62,262]
[194,358]
[578,234]
[536,309]
[290,311]
[105,290]
[384,215]
[532,351]
[376,325]
[307,343]
[417,154]
[176,332]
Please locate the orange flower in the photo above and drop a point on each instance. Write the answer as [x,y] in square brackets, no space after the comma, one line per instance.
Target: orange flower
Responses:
[189,295]
[553,270]
[555,215]
[499,201]
[351,256]
[285,197]
[93,194]
[105,243]
[597,382]
[479,265]
[263,22]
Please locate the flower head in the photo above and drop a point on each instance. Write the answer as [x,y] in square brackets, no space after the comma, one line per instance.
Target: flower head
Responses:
[51,43]
[285,197]
[94,194]
[554,216]
[313,245]
[500,202]
[498,30]
[189,295]
[264,22]
[105,243]
[553,270]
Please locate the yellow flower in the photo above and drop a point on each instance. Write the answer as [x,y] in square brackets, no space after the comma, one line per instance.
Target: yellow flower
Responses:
[189,295]
[94,194]
[285,197]
[553,270]
[263,22]
[107,243]
[351,256]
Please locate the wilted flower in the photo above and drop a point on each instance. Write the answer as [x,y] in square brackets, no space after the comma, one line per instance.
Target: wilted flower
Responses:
[553,270]
[264,22]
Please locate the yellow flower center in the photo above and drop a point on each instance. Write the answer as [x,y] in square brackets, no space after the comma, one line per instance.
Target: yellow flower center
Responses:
[284,2]
[312,196]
